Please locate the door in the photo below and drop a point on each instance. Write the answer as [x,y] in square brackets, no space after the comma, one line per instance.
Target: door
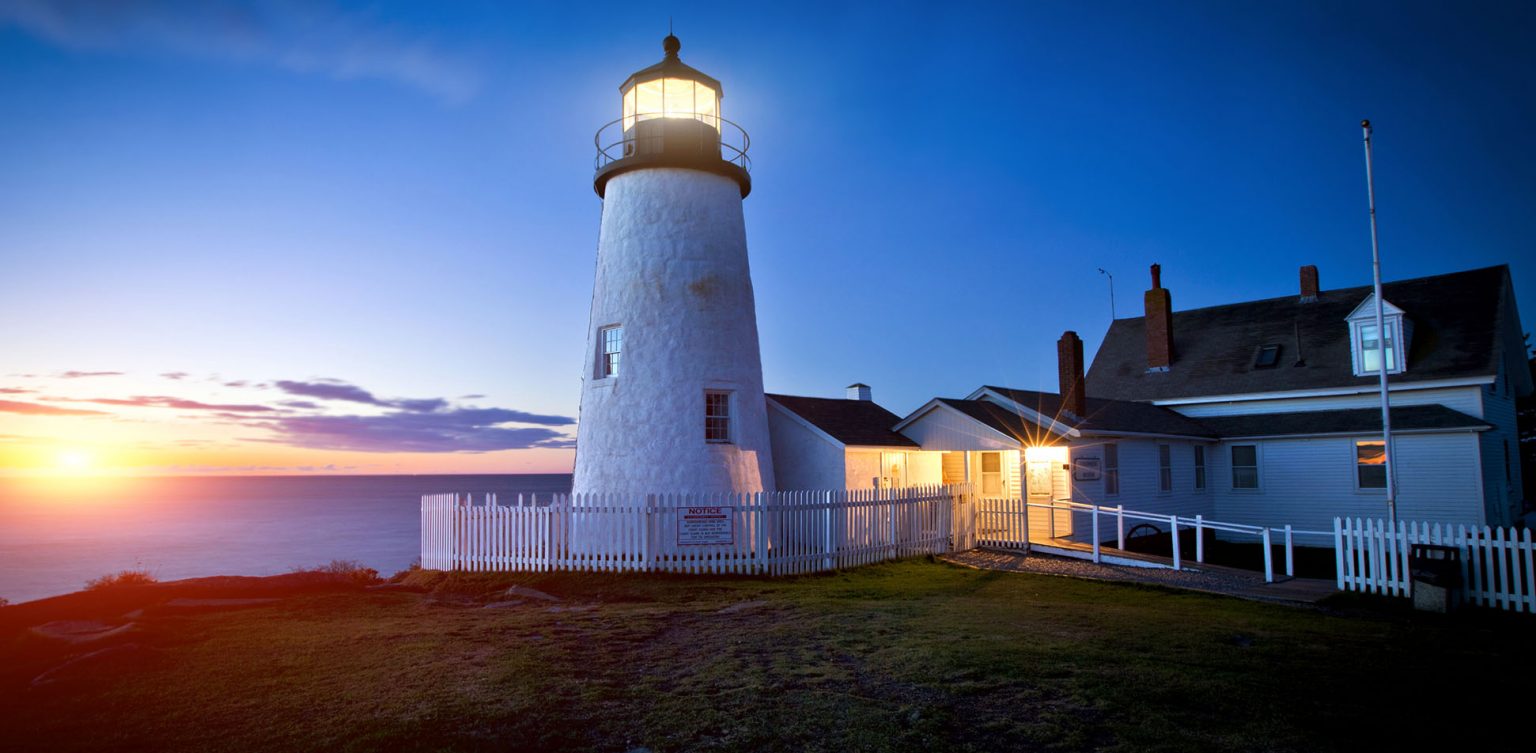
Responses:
[893,471]
[1038,478]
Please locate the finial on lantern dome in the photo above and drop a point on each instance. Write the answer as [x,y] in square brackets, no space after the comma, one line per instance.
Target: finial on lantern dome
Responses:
[671,45]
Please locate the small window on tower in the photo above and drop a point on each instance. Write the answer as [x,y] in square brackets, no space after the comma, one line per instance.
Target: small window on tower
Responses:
[611,341]
[1267,358]
[717,417]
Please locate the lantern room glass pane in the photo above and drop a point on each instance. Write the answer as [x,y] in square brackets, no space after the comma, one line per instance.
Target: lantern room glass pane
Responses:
[671,98]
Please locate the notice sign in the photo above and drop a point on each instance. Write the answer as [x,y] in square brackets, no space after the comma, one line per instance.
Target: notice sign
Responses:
[704,526]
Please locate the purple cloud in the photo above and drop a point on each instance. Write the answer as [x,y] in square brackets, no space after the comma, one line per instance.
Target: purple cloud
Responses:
[14,391]
[176,375]
[304,404]
[335,389]
[458,430]
[329,389]
[33,409]
[84,374]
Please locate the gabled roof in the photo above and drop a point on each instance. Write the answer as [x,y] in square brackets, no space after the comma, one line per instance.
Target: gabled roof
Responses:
[852,422]
[1350,421]
[1106,416]
[1455,317]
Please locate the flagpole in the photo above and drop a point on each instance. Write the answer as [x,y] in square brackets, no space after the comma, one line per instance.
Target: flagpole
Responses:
[1381,335]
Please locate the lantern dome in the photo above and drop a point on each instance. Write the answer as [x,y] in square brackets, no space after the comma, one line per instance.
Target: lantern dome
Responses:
[670,117]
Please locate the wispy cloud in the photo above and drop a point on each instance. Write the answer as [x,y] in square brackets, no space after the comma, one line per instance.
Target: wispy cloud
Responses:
[86,374]
[175,375]
[33,409]
[458,430]
[14,391]
[335,389]
[303,37]
[165,401]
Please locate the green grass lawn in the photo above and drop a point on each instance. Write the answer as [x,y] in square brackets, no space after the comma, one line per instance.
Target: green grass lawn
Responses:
[912,655]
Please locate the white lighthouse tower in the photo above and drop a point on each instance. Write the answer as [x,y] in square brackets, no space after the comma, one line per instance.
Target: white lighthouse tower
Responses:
[672,392]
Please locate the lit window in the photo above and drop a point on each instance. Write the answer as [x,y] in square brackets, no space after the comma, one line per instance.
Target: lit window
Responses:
[1199,467]
[717,417]
[1245,466]
[1164,468]
[671,98]
[992,473]
[1371,464]
[1111,469]
[612,344]
[1370,350]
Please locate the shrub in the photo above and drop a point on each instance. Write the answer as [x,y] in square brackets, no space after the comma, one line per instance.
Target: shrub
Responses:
[136,577]
[5,602]
[351,569]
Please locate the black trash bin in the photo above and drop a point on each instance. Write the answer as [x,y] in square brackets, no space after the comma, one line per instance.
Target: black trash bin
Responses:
[1435,571]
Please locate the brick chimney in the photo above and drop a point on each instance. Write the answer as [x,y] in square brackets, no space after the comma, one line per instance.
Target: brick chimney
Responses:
[1069,369]
[1159,323]
[860,391]
[1309,283]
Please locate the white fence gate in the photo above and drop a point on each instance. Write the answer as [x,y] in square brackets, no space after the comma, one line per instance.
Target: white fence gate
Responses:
[774,533]
[1498,565]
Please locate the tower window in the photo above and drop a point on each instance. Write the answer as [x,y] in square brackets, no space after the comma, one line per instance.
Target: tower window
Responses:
[717,417]
[612,344]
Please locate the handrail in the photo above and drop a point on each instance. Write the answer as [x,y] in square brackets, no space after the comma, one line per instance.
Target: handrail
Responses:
[733,139]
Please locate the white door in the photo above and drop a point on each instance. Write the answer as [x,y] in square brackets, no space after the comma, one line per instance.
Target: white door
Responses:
[893,474]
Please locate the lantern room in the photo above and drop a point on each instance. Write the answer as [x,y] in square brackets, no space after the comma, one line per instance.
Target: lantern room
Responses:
[670,117]
[671,89]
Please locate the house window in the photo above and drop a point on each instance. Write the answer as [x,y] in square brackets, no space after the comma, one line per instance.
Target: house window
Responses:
[992,474]
[1164,468]
[1245,466]
[1111,470]
[611,343]
[1199,467]
[1267,357]
[1371,464]
[1368,347]
[717,417]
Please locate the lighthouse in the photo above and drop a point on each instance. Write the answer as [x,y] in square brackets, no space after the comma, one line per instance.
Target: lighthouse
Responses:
[672,388]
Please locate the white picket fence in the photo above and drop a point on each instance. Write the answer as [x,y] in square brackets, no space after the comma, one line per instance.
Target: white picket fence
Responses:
[1018,524]
[775,533]
[1498,565]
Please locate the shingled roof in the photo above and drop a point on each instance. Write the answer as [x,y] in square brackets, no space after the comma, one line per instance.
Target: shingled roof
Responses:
[1456,319]
[1348,421]
[852,422]
[1108,416]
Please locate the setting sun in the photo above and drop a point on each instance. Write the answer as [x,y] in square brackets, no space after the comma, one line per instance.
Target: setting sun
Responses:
[74,461]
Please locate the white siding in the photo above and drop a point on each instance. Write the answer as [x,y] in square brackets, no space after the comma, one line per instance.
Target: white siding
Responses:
[863,469]
[945,428]
[924,468]
[811,460]
[1501,494]
[1307,482]
[1463,399]
[1139,482]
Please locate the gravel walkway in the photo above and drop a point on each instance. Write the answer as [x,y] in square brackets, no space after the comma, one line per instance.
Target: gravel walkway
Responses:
[1218,580]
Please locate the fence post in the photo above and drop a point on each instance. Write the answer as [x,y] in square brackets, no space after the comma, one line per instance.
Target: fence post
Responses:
[1120,526]
[1173,530]
[1269,556]
[1290,553]
[827,547]
[1096,558]
[1338,553]
[1200,538]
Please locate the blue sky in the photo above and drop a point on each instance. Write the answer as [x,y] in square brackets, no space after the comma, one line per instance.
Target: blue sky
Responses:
[397,196]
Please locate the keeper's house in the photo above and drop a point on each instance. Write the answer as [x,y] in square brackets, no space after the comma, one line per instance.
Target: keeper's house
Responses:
[1265,412]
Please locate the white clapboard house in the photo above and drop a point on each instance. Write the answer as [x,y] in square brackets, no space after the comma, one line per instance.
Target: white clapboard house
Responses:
[1264,412]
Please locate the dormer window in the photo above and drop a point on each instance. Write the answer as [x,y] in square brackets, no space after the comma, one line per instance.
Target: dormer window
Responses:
[1368,346]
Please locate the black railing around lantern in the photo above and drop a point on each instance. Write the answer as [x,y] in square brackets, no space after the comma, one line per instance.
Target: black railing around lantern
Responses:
[639,135]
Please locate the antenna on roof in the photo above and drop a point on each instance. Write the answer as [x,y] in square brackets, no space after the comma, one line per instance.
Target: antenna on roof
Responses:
[1111,293]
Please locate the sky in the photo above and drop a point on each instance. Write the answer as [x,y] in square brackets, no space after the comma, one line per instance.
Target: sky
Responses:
[328,237]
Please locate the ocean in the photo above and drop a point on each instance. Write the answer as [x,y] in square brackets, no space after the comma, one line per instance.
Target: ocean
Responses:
[55,534]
